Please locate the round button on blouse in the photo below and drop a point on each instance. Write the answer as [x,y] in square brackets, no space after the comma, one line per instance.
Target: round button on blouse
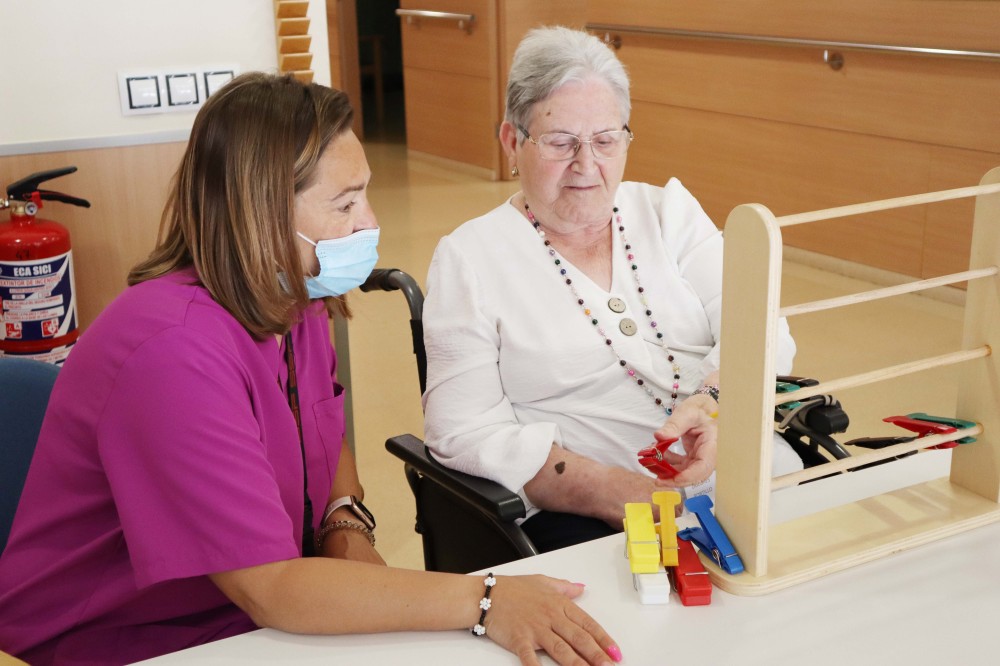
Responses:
[628,326]
[616,305]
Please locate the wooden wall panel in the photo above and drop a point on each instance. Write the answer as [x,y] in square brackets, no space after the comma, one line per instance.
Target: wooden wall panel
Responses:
[459,125]
[948,234]
[728,160]
[874,93]
[741,122]
[127,188]
[968,24]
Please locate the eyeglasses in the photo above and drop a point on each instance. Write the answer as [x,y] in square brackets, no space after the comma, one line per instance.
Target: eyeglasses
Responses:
[559,146]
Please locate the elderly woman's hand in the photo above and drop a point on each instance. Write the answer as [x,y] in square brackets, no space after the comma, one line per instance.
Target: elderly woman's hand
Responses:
[693,422]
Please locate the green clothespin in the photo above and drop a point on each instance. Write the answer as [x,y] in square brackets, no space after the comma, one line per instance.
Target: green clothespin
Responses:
[953,422]
[787,387]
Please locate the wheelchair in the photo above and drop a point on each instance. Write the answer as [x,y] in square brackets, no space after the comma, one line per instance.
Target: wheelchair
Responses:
[466,523]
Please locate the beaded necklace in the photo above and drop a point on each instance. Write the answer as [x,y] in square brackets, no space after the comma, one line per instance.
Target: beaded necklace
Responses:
[629,370]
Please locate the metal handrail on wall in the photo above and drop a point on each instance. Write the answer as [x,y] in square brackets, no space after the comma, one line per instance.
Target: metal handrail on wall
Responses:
[834,59]
[465,21]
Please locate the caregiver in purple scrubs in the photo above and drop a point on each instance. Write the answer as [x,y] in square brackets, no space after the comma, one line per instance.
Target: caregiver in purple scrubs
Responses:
[192,457]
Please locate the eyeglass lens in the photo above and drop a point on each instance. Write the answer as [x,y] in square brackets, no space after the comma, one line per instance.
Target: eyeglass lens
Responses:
[559,146]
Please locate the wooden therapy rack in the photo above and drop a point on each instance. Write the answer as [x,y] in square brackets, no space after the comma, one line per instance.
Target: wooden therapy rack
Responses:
[777,556]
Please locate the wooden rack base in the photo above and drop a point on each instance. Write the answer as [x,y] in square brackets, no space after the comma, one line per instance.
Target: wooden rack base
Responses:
[852,534]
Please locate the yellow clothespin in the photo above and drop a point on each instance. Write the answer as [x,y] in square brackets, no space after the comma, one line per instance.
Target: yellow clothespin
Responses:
[641,534]
[667,500]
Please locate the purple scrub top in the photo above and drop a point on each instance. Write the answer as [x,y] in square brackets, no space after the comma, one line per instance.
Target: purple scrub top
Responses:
[168,452]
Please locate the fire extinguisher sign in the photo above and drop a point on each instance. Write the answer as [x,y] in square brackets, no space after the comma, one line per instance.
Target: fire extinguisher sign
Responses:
[37,304]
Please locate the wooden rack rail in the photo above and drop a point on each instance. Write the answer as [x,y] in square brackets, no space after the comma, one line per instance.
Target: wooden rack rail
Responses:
[776,556]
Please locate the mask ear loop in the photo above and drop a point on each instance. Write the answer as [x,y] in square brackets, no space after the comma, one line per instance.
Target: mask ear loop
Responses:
[282,277]
[311,242]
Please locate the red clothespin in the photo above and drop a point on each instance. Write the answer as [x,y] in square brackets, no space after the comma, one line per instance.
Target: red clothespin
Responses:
[924,428]
[690,578]
[652,459]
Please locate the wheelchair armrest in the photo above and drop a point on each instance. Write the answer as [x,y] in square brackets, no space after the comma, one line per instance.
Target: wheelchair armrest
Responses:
[489,497]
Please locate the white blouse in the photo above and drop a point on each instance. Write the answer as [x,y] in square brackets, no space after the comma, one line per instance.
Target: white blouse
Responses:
[514,365]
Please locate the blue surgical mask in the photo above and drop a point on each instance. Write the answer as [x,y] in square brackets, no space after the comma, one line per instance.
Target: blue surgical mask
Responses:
[344,263]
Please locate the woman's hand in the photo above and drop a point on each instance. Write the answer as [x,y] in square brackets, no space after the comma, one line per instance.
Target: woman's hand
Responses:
[532,613]
[693,422]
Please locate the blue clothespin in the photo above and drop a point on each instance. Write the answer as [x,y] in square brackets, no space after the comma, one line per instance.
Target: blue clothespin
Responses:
[710,537]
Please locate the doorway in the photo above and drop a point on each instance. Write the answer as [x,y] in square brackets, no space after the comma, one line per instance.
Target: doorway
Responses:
[380,58]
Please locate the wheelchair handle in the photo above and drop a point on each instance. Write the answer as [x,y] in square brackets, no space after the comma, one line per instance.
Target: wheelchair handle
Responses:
[392,279]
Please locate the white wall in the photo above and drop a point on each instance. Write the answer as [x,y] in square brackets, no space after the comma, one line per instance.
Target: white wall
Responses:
[59,63]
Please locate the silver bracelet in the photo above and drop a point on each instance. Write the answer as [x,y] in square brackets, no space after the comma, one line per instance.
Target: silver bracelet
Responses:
[709,389]
[342,525]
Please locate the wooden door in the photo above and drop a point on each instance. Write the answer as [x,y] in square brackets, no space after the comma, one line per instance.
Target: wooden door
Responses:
[345,73]
[451,82]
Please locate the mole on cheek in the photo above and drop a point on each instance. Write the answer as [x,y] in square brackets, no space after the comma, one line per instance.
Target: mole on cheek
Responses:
[560,467]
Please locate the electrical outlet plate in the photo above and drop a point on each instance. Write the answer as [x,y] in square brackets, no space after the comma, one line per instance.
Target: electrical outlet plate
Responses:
[171,89]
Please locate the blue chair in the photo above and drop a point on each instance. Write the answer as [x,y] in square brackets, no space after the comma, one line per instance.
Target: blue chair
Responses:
[25,386]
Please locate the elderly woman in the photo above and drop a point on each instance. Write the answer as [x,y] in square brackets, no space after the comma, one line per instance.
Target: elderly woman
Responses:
[192,455]
[578,321]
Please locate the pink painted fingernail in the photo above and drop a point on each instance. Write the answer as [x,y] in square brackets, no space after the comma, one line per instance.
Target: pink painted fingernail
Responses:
[580,584]
[614,653]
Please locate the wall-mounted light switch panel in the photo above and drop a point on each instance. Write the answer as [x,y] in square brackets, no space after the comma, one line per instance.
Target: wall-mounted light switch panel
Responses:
[171,89]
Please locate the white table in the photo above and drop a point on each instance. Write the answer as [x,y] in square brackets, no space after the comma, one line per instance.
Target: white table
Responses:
[937,604]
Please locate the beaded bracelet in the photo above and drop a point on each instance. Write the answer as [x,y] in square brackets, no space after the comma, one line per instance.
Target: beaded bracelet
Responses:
[484,604]
[342,525]
[709,389]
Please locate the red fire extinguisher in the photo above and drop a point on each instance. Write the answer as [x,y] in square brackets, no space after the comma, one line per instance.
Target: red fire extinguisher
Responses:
[37,295]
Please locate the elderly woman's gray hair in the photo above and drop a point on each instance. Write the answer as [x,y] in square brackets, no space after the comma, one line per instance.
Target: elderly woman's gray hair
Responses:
[548,58]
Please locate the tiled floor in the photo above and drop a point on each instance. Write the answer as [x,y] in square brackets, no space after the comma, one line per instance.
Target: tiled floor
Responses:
[417,203]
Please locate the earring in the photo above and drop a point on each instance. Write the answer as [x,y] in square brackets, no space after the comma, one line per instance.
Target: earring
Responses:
[514,172]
